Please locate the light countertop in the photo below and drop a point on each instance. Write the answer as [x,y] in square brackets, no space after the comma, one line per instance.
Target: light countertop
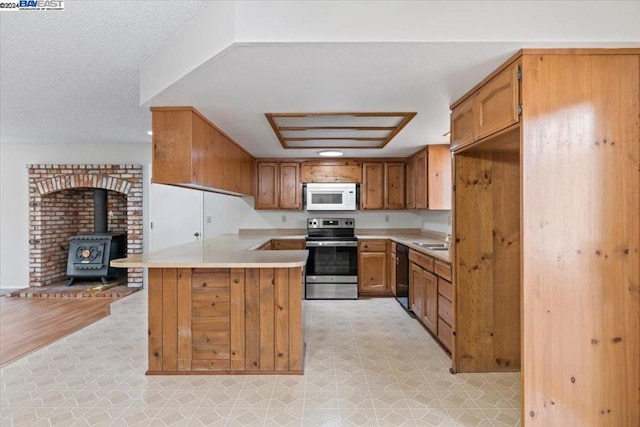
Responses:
[238,251]
[225,251]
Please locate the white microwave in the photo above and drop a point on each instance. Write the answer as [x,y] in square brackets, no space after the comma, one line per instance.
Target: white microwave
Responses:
[337,196]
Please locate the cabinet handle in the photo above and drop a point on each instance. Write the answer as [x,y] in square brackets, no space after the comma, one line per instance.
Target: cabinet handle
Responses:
[236,281]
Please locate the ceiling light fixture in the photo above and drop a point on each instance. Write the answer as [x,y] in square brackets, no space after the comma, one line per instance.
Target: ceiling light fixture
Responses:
[331,153]
[149,133]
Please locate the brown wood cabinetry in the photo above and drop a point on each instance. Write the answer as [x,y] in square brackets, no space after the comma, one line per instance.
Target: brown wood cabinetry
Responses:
[383,185]
[394,188]
[421,180]
[487,111]
[189,151]
[429,177]
[428,288]
[288,244]
[267,191]
[393,263]
[372,191]
[567,259]
[225,320]
[372,268]
[278,185]
[331,171]
[463,124]
[410,177]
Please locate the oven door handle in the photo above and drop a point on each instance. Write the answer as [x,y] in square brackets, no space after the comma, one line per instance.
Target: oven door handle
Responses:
[331,244]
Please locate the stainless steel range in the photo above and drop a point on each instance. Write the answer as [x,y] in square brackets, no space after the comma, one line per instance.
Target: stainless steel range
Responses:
[332,266]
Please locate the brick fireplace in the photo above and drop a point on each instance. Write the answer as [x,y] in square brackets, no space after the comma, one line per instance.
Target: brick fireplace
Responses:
[61,205]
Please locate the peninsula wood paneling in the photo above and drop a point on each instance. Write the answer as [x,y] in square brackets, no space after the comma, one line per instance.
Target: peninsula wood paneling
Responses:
[225,321]
[581,240]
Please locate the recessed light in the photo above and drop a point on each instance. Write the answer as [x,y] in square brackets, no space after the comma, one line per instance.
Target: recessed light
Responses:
[331,153]
[149,133]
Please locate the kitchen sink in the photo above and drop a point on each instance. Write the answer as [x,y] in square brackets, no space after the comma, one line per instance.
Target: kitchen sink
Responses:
[433,246]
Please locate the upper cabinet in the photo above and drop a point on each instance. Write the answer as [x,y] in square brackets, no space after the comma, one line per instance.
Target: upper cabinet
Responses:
[429,177]
[189,151]
[488,110]
[278,185]
[331,171]
[383,185]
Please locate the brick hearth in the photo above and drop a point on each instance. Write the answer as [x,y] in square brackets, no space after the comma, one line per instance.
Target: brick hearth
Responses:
[61,205]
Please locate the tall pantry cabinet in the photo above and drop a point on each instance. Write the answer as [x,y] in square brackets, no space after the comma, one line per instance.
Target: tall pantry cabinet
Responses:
[547,232]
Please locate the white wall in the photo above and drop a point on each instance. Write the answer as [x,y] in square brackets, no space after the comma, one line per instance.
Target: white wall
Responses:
[14,193]
[229,214]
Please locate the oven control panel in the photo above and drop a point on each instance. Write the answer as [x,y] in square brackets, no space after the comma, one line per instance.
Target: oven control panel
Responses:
[330,223]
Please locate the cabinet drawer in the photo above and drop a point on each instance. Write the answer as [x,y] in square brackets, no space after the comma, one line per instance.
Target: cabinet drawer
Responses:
[445,288]
[445,334]
[373,246]
[422,260]
[445,309]
[442,269]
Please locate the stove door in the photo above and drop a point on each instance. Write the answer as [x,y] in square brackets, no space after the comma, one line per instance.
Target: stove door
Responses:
[332,261]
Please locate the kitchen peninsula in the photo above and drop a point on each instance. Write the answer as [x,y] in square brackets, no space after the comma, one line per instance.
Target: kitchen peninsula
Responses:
[216,307]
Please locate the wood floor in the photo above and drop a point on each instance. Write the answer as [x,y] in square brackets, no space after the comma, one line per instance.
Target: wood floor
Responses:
[28,324]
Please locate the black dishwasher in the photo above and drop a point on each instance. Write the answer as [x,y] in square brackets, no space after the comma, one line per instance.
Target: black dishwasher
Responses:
[402,275]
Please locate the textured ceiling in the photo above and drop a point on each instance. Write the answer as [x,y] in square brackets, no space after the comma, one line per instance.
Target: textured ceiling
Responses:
[73,76]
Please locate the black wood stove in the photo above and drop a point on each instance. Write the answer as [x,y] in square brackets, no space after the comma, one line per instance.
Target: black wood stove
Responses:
[90,254]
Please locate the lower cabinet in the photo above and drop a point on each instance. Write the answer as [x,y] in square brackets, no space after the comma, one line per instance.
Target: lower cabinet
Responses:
[431,295]
[288,244]
[225,320]
[372,268]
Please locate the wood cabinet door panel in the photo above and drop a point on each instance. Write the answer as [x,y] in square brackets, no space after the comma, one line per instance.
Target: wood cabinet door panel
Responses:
[394,185]
[410,183]
[372,193]
[445,334]
[267,191]
[421,196]
[445,309]
[331,171]
[290,191]
[463,124]
[430,301]
[372,276]
[439,182]
[496,103]
[416,290]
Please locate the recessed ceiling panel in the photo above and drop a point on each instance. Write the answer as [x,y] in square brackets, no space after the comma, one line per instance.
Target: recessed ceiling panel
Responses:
[337,130]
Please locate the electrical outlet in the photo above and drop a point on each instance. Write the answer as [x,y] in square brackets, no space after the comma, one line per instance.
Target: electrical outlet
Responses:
[208,220]
[386,218]
[284,218]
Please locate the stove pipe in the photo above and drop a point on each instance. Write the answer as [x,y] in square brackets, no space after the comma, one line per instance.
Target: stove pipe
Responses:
[100,207]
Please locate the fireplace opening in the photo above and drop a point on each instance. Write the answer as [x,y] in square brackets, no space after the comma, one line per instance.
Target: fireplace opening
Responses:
[90,254]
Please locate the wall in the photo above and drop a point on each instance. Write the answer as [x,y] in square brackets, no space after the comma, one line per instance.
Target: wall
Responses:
[228,214]
[14,193]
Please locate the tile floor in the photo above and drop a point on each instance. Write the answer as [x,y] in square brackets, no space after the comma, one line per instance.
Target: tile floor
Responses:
[367,364]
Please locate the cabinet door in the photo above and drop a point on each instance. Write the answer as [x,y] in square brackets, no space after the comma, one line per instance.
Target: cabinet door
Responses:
[430,301]
[290,194]
[422,201]
[372,274]
[373,182]
[393,263]
[439,181]
[394,185]
[496,103]
[463,124]
[410,183]
[415,290]
[267,191]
